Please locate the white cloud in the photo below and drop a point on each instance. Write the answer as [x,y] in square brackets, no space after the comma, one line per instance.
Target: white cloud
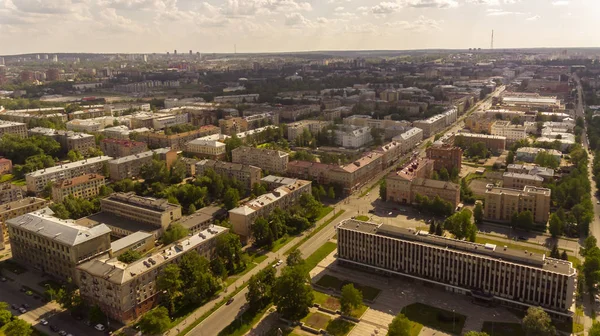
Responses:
[339,9]
[385,8]
[501,12]
[113,22]
[534,18]
[296,19]
[492,2]
[338,1]
[560,3]
[421,24]
[430,3]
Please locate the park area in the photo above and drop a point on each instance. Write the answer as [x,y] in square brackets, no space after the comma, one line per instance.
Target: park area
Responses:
[329,281]
[333,303]
[335,327]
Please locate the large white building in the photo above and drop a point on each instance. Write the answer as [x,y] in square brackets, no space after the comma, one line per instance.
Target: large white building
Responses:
[353,136]
[409,139]
[512,132]
[438,122]
[37,180]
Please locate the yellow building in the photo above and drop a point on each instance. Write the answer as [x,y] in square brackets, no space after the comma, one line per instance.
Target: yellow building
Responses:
[501,203]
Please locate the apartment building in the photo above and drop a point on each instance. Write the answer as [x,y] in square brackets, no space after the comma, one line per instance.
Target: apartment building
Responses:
[438,122]
[10,193]
[512,132]
[496,144]
[349,136]
[487,272]
[501,203]
[118,148]
[55,246]
[37,180]
[123,132]
[10,127]
[409,139]
[313,126]
[233,125]
[84,186]
[130,166]
[445,156]
[125,292]
[237,99]
[176,141]
[413,179]
[246,174]
[20,207]
[479,123]
[546,173]
[165,121]
[69,140]
[271,160]
[207,148]
[520,180]
[528,154]
[390,152]
[261,119]
[243,217]
[158,213]
[85,125]
[88,113]
[351,176]
[293,112]
[26,115]
[6,166]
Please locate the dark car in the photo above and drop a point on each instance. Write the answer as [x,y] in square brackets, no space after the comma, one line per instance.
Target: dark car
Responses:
[229,301]
[14,306]
[522,238]
[54,328]
[25,305]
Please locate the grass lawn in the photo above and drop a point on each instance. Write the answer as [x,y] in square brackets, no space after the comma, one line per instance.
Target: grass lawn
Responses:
[281,242]
[314,259]
[435,318]
[339,327]
[328,281]
[324,212]
[6,177]
[255,261]
[503,328]
[314,232]
[19,183]
[316,320]
[362,218]
[326,301]
[240,326]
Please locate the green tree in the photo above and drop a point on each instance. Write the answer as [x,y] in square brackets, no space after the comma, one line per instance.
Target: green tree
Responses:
[594,329]
[555,225]
[538,323]
[17,327]
[331,193]
[96,315]
[546,159]
[461,226]
[589,243]
[476,333]
[67,296]
[155,171]
[178,171]
[218,268]
[155,322]
[439,229]
[5,314]
[444,175]
[525,220]
[311,208]
[231,198]
[564,255]
[261,231]
[591,267]
[169,282]
[229,249]
[383,191]
[400,326]
[510,158]
[232,143]
[129,256]
[260,288]
[174,233]
[478,213]
[294,258]
[74,155]
[351,299]
[292,293]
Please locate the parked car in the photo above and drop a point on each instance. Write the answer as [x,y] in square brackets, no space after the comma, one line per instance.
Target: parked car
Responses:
[43,322]
[62,333]
[54,328]
[14,306]
[229,301]
[99,327]
[22,310]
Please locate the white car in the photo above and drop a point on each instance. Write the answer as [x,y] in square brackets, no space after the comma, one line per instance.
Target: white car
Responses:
[99,327]
[43,322]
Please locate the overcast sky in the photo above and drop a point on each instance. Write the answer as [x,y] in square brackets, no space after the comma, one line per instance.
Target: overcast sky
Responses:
[145,26]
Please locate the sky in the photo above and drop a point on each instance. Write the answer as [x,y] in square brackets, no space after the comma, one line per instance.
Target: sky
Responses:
[146,26]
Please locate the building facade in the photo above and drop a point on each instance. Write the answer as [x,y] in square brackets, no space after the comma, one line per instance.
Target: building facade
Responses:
[158,213]
[119,148]
[495,143]
[445,156]
[131,166]
[53,245]
[520,180]
[272,160]
[528,154]
[69,140]
[486,272]
[246,174]
[501,203]
[409,139]
[37,180]
[16,128]
[505,128]
[84,186]
[5,166]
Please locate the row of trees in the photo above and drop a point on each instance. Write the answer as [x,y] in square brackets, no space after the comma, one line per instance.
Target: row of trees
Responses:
[11,325]
[435,206]
[444,175]
[282,222]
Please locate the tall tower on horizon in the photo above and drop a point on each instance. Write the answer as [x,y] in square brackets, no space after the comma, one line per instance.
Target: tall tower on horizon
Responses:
[492,43]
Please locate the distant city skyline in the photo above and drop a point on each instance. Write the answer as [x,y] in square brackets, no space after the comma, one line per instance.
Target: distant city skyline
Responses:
[147,26]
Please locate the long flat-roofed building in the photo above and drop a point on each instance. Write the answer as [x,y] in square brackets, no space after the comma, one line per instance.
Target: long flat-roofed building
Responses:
[37,180]
[10,193]
[131,165]
[53,245]
[409,139]
[158,213]
[528,154]
[520,180]
[501,203]
[488,272]
[494,143]
[68,140]
[243,217]
[10,127]
[123,291]
[271,160]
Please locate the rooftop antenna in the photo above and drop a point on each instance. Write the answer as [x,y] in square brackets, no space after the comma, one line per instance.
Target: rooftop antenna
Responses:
[492,44]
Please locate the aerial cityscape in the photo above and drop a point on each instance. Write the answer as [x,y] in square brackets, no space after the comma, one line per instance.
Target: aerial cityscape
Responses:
[298,172]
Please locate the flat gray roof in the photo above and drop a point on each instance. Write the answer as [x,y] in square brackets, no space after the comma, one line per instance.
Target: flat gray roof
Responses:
[129,240]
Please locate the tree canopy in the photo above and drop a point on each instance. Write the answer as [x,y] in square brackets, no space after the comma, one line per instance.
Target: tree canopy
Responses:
[292,293]
[400,326]
[155,321]
[538,323]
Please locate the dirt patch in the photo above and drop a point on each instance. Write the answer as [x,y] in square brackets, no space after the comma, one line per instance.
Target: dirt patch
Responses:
[478,186]
[332,303]
[317,320]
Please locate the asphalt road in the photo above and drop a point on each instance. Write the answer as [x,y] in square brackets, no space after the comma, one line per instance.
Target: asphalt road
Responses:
[353,205]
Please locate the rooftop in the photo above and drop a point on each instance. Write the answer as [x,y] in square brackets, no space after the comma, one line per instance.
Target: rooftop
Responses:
[489,251]
[124,143]
[138,156]
[77,180]
[10,124]
[20,203]
[118,272]
[130,198]
[523,176]
[72,165]
[63,231]
[129,240]
[113,220]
